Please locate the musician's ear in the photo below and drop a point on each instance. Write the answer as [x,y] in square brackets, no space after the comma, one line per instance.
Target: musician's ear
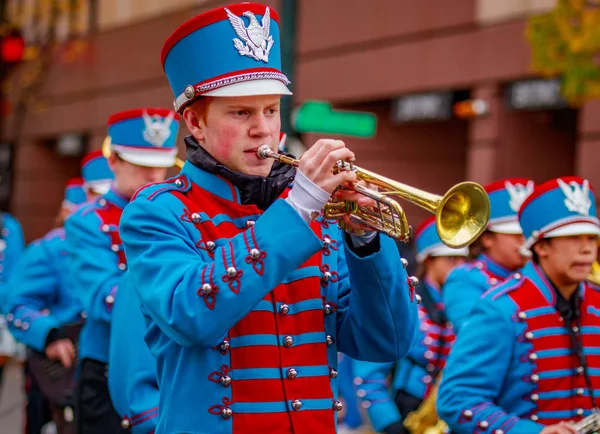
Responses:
[194,124]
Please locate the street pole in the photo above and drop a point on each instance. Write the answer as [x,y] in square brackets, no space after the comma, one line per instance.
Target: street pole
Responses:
[289,9]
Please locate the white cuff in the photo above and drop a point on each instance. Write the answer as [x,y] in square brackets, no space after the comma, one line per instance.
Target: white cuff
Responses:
[306,197]
[361,240]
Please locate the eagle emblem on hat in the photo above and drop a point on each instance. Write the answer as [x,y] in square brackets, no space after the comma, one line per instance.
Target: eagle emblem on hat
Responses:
[577,196]
[518,193]
[158,129]
[255,40]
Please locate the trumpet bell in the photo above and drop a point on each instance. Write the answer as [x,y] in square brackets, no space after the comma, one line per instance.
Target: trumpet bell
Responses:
[462,214]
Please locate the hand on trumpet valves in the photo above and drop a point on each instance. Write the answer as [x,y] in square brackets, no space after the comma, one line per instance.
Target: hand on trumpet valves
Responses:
[347,193]
[317,162]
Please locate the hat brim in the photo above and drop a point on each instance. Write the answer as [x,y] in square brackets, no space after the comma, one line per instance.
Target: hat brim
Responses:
[580,228]
[251,88]
[442,250]
[99,187]
[508,227]
[148,158]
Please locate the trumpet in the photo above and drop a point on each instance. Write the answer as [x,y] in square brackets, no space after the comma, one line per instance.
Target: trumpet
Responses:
[589,424]
[462,213]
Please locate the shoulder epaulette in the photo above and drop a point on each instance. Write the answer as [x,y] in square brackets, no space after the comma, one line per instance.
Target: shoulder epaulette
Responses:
[515,281]
[179,183]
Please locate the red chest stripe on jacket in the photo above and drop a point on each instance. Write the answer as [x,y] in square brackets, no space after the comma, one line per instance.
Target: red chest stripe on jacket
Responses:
[559,382]
[290,318]
[110,217]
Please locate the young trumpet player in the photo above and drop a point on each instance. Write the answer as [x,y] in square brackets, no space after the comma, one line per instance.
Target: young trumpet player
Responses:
[248,292]
[415,375]
[527,361]
[499,255]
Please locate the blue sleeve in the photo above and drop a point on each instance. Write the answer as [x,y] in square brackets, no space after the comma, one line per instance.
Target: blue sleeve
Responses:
[164,261]
[460,294]
[132,381]
[15,244]
[32,289]
[376,318]
[375,390]
[475,372]
[93,266]
[12,235]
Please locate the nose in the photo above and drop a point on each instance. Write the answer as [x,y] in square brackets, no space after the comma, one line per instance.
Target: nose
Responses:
[260,126]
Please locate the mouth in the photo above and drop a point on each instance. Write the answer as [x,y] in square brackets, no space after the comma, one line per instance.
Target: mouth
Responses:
[582,265]
[251,150]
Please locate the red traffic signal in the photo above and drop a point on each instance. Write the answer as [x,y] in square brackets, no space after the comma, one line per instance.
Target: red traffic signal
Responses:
[12,48]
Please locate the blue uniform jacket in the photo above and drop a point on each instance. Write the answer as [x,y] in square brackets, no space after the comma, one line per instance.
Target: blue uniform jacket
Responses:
[131,367]
[96,264]
[41,296]
[12,244]
[196,293]
[512,367]
[465,286]
[414,374]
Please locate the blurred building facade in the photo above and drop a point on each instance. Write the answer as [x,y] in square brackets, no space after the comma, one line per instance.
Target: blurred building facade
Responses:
[407,61]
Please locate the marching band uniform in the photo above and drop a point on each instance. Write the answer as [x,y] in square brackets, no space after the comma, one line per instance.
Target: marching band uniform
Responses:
[513,367]
[247,305]
[12,244]
[143,137]
[40,302]
[467,283]
[132,378]
[42,299]
[414,375]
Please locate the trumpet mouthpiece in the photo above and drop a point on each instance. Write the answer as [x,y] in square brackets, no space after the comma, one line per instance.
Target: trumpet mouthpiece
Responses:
[263,152]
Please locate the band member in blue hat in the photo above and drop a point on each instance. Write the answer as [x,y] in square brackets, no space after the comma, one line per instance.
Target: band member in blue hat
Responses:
[41,303]
[96,174]
[497,253]
[527,360]
[248,293]
[416,374]
[142,146]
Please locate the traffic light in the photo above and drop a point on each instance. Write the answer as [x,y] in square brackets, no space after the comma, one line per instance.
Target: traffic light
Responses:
[319,117]
[12,48]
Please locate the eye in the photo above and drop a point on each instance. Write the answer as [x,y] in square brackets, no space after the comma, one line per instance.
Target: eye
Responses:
[271,111]
[240,113]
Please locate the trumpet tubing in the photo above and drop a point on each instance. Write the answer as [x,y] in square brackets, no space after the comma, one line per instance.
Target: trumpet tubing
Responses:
[461,214]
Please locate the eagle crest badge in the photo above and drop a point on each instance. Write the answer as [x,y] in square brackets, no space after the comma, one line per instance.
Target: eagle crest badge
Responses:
[254,41]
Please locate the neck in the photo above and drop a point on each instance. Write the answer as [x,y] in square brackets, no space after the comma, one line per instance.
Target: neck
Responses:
[565,287]
[119,191]
[497,259]
[432,280]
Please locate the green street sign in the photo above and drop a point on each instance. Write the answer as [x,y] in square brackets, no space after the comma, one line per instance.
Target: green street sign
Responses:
[319,117]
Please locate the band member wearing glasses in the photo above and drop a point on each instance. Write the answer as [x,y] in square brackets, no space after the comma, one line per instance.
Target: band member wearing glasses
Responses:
[414,375]
[527,360]
[249,293]
[142,147]
[496,254]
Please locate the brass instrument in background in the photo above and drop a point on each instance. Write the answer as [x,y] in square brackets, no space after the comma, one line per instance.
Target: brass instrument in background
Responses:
[106,152]
[425,419]
[594,276]
[461,214]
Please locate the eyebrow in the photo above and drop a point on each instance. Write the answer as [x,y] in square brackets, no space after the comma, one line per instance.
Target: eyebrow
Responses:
[249,108]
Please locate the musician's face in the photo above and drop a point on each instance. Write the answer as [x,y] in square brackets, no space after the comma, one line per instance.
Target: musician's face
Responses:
[567,260]
[233,128]
[130,177]
[437,268]
[504,249]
